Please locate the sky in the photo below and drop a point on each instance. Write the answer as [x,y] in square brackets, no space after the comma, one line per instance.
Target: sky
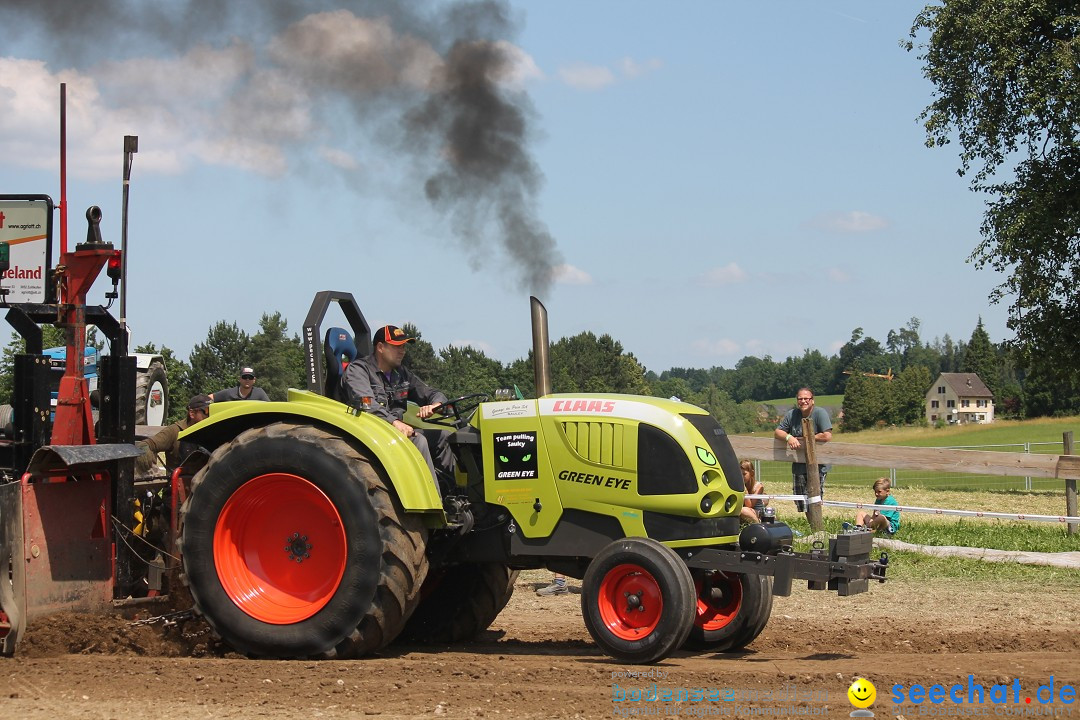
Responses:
[701,180]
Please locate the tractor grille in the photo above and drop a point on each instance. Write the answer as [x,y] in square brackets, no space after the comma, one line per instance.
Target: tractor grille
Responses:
[597,442]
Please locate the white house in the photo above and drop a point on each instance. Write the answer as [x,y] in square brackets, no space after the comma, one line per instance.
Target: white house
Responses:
[959,398]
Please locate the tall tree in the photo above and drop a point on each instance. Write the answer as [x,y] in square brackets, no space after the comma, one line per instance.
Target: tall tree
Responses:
[586,363]
[1006,75]
[466,370]
[216,363]
[980,358]
[420,357]
[908,395]
[865,403]
[277,358]
[863,353]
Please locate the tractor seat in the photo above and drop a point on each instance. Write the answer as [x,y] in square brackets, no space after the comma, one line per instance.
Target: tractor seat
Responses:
[339,350]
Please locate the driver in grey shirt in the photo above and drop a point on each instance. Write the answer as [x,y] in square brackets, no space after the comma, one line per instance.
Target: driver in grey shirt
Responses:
[379,384]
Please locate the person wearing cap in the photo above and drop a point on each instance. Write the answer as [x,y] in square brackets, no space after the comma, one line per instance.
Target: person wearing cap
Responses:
[245,390]
[165,441]
[381,385]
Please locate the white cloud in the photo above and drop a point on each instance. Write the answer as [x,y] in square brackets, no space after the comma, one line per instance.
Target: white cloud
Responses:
[570,275]
[586,77]
[522,66]
[632,68]
[729,274]
[854,221]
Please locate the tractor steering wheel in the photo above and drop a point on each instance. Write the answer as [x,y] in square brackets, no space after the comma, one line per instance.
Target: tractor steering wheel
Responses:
[457,412]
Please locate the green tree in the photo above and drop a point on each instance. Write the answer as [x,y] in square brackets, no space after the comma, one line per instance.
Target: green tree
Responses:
[466,370]
[865,403]
[519,374]
[277,358]
[980,358]
[672,387]
[908,395]
[421,358]
[862,353]
[216,363]
[586,363]
[1006,76]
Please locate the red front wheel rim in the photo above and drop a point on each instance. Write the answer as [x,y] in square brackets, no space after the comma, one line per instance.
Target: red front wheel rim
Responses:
[280,548]
[716,613]
[630,602]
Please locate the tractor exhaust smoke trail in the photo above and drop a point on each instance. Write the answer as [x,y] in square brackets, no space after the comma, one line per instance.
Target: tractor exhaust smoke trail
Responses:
[270,87]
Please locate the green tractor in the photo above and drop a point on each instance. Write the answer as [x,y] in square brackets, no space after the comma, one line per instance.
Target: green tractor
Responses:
[313,529]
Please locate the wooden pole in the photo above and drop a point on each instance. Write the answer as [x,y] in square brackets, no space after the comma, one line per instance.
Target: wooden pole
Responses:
[813,478]
[1070,485]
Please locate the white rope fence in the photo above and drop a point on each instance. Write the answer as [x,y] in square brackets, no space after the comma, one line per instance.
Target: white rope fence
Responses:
[916,509]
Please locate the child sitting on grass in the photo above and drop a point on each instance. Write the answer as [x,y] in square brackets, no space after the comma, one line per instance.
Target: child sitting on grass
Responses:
[883,521]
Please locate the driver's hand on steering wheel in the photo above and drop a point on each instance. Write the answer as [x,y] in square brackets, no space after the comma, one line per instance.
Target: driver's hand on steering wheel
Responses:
[404,428]
[426,411]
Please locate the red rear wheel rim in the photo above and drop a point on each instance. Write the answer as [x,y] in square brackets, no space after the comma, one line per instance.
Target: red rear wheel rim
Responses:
[279,548]
[630,602]
[713,614]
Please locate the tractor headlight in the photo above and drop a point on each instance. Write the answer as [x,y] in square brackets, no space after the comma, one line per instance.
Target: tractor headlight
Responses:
[709,476]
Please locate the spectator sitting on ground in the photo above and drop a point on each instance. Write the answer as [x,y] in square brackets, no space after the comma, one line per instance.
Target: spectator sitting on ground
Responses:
[883,521]
[752,509]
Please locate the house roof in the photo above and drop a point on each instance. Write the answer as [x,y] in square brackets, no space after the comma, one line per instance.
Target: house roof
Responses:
[965,384]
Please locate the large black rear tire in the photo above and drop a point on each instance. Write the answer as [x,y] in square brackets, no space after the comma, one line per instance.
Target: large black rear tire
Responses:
[459,602]
[294,545]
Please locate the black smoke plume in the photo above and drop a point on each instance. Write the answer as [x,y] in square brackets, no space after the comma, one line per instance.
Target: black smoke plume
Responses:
[442,74]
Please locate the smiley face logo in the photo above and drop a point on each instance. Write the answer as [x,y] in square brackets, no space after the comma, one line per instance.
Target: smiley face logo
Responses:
[862,693]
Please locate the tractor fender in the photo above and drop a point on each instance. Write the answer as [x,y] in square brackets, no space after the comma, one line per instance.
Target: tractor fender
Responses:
[143,361]
[404,466]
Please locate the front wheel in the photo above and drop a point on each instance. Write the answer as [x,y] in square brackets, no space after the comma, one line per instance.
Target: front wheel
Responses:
[293,545]
[638,600]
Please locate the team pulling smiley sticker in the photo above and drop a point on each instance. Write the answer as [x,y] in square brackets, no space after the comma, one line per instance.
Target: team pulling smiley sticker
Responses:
[862,694]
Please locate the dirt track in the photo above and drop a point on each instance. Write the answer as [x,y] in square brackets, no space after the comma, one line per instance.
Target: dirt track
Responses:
[538,661]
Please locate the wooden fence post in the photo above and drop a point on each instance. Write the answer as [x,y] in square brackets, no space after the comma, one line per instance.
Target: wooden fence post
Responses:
[1070,485]
[813,478]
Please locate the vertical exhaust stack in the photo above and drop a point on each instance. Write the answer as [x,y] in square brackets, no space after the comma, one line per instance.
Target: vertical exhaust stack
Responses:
[541,365]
